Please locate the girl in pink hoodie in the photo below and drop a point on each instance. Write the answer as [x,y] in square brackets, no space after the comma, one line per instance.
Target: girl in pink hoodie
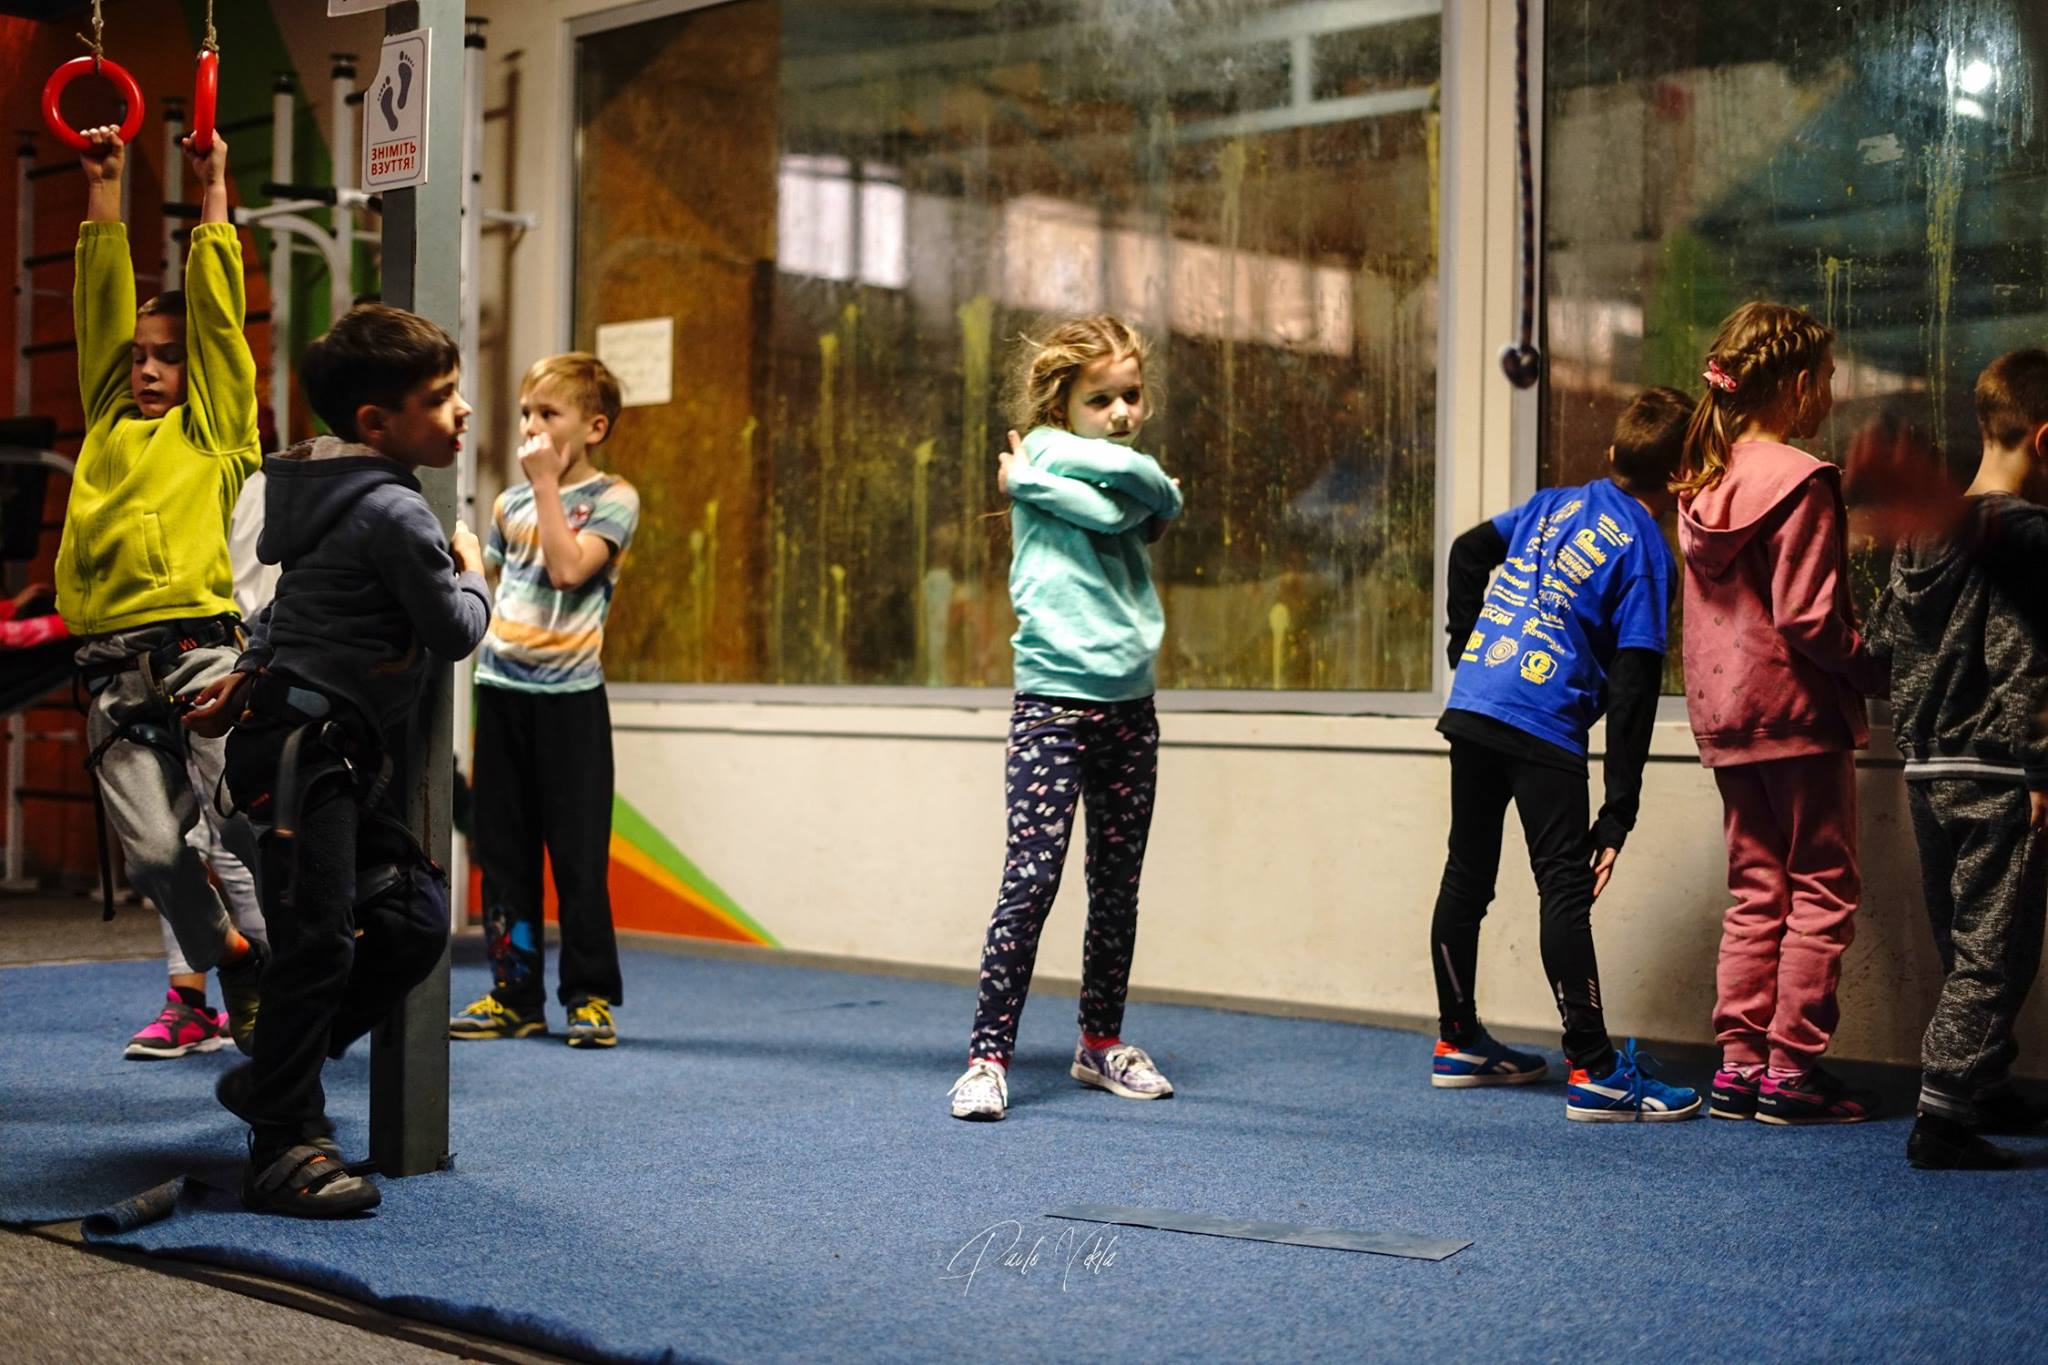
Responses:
[1775,677]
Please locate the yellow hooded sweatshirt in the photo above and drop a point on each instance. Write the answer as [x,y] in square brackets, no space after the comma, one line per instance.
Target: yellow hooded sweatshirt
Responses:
[146,531]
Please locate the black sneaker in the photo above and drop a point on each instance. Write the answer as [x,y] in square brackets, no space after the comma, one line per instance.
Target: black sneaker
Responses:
[1940,1144]
[305,1182]
[2011,1113]
[1733,1095]
[1817,1096]
[491,1017]
[241,990]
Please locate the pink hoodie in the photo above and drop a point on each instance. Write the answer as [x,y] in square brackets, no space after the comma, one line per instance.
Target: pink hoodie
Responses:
[1774,667]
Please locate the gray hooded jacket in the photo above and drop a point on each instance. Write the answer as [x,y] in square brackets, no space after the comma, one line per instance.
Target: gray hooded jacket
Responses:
[1965,622]
[369,588]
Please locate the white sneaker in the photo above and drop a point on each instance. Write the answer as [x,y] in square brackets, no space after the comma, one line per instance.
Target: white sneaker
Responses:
[982,1094]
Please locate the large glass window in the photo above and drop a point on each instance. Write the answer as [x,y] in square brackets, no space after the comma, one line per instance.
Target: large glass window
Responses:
[853,211]
[1881,163]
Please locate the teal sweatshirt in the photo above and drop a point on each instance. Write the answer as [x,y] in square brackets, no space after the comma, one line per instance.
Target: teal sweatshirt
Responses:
[1088,619]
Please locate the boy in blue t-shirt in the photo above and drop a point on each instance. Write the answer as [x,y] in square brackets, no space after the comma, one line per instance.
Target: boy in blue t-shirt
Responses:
[1572,626]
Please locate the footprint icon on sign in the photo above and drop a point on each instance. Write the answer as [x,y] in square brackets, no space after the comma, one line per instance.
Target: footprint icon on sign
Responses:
[384,103]
[404,78]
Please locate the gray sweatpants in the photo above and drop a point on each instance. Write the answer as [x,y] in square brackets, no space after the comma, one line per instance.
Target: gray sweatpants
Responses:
[1986,881]
[153,798]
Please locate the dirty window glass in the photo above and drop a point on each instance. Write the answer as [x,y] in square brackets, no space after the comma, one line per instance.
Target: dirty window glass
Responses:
[1880,163]
[854,210]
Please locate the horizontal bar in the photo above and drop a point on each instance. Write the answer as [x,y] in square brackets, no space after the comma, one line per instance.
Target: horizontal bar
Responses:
[180,208]
[255,216]
[55,168]
[50,794]
[43,258]
[324,194]
[63,344]
[1346,109]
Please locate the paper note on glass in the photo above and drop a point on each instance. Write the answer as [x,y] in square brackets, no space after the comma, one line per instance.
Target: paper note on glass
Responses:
[642,355]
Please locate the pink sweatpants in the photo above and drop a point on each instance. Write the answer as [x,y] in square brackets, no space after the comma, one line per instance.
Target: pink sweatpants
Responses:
[1791,828]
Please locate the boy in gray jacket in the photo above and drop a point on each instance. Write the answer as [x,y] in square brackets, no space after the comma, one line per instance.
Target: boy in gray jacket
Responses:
[1965,622]
[322,703]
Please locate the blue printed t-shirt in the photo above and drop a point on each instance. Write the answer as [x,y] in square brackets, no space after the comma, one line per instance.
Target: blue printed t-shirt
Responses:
[544,639]
[1587,574]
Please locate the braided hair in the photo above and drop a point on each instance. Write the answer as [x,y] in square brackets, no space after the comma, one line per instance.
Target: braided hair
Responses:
[1752,366]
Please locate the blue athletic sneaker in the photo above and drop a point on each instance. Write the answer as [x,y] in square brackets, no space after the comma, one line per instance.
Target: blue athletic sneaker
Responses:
[1629,1095]
[1484,1062]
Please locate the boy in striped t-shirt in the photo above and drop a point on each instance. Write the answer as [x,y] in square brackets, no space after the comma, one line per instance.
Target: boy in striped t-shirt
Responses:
[543,769]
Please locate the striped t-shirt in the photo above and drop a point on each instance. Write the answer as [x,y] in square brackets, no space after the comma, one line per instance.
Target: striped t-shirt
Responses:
[543,639]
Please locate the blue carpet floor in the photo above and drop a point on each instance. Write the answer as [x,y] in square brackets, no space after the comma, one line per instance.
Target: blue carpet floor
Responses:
[765,1169]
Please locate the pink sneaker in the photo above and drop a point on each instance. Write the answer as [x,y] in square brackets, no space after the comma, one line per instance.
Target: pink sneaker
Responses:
[178,1030]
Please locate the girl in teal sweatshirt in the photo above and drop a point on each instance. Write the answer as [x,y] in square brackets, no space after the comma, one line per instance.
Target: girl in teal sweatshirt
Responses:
[1084,506]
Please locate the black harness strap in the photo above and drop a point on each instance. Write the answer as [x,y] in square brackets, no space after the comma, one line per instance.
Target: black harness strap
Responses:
[342,748]
[154,665]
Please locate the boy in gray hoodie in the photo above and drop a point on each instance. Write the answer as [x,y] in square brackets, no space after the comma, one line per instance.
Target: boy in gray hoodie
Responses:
[322,703]
[1965,622]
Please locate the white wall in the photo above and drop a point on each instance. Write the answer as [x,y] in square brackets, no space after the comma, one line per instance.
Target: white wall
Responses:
[1295,858]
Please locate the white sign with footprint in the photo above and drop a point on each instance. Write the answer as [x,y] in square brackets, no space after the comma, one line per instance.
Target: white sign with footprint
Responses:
[395,115]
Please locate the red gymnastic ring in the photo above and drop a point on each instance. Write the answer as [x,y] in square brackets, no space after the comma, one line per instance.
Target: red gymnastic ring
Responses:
[205,95]
[71,71]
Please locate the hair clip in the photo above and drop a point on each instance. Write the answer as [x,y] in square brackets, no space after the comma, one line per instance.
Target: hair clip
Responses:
[1718,378]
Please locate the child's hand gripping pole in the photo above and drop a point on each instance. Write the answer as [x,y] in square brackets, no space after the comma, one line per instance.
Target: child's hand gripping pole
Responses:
[469,554]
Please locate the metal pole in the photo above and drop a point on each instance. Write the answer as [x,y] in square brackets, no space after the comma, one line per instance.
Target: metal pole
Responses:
[343,290]
[472,239]
[174,189]
[283,114]
[24,335]
[24,281]
[423,231]
[473,67]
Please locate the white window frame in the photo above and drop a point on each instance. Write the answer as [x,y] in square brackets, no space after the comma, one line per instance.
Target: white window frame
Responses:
[1486,432]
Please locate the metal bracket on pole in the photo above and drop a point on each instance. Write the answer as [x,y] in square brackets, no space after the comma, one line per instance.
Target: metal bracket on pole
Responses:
[422,232]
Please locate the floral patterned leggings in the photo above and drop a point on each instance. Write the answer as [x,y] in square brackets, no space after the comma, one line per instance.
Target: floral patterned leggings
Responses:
[1064,752]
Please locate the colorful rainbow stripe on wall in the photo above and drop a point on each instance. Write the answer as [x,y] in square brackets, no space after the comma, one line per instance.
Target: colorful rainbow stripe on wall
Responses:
[655,888]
